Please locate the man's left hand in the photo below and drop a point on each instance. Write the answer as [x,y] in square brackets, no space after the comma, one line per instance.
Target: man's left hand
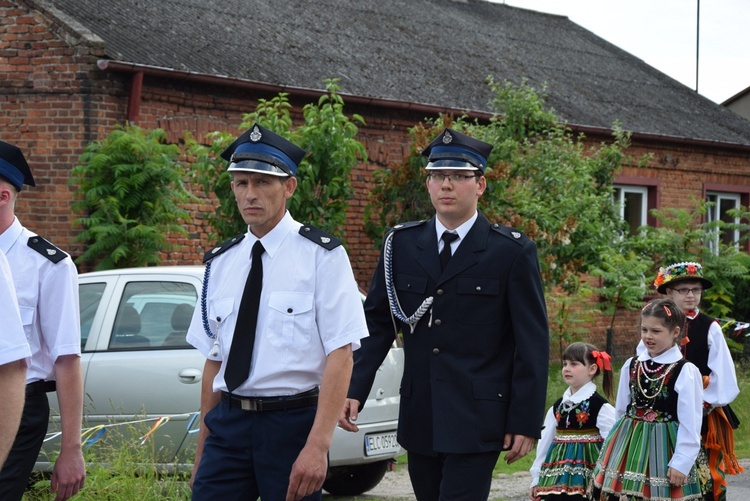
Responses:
[68,474]
[308,473]
[519,446]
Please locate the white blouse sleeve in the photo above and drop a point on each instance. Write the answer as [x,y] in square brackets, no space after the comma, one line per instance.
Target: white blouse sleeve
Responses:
[722,388]
[623,391]
[689,388]
[606,419]
[542,447]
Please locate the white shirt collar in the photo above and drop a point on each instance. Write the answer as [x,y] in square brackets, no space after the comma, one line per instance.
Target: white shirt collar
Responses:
[9,236]
[461,230]
[272,240]
[583,393]
[670,356]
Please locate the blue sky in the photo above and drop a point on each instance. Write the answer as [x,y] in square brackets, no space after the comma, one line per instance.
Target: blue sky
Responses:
[663,34]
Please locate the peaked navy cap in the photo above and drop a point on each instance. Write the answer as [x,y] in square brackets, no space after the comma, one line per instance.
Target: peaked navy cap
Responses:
[455,151]
[260,150]
[13,166]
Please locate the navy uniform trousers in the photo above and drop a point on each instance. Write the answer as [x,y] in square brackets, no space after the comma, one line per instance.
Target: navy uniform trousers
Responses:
[250,454]
[34,421]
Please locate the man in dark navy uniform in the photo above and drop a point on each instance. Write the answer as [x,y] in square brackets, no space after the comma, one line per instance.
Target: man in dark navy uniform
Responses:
[46,287]
[468,298]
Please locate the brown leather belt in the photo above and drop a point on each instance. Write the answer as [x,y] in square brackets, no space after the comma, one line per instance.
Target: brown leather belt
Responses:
[38,387]
[264,404]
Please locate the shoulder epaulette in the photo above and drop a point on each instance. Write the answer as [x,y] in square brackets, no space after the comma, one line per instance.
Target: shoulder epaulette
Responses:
[222,247]
[512,233]
[46,249]
[320,237]
[409,224]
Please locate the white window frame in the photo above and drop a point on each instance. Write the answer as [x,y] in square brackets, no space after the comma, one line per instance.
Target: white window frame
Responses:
[714,214]
[619,198]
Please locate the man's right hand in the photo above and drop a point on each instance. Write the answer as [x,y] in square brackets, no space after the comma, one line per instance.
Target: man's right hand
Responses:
[349,414]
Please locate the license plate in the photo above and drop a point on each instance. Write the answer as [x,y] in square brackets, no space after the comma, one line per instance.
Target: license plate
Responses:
[381,443]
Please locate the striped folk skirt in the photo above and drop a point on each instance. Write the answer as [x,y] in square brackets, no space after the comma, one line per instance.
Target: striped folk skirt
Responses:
[634,461]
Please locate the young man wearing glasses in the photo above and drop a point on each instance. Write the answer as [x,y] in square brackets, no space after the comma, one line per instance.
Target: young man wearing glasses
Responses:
[704,345]
[467,296]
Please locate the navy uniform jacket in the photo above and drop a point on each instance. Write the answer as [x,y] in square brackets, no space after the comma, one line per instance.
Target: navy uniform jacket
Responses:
[476,365]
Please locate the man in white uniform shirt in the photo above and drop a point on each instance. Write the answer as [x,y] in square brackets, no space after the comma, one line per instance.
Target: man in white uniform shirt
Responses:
[269,411]
[46,285]
[14,356]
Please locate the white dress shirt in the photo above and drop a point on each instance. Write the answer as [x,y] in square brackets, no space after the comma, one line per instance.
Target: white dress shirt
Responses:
[13,344]
[47,295]
[309,306]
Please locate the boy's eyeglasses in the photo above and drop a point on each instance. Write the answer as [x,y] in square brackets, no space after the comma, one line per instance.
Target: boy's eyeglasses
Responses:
[453,178]
[684,291]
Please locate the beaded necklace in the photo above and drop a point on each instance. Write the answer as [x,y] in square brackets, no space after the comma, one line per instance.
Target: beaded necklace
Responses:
[640,366]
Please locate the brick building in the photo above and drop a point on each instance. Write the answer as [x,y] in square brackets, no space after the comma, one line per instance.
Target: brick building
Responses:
[70,70]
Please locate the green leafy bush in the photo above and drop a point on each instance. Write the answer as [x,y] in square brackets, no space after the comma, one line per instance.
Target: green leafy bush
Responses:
[129,186]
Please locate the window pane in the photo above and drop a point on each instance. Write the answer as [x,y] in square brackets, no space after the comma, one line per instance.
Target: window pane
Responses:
[154,315]
[89,297]
[633,211]
[725,204]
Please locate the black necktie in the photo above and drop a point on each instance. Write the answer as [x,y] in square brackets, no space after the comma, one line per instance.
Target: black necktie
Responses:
[241,352]
[445,254]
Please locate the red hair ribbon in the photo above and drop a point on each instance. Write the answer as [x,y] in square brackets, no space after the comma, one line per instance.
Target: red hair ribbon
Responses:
[602,360]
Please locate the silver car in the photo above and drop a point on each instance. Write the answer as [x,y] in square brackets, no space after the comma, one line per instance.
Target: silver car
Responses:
[142,380]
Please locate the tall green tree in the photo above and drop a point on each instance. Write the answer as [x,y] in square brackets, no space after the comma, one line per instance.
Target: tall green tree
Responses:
[129,188]
[324,183]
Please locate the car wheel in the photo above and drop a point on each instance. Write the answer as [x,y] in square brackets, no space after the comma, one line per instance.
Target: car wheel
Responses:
[355,479]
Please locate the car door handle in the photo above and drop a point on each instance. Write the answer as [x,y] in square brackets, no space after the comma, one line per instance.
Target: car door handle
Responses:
[190,376]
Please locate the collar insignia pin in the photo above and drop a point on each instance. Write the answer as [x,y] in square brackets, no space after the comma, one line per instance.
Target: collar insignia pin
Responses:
[515,234]
[51,252]
[325,240]
[215,250]
[255,135]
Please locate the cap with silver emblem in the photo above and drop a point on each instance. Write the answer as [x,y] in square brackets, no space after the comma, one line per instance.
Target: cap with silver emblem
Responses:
[452,150]
[263,151]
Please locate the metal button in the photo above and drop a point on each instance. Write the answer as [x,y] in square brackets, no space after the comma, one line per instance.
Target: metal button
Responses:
[479,288]
[435,351]
[438,322]
[440,292]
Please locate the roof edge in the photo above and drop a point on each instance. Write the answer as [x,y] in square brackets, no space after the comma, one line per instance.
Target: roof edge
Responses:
[158,71]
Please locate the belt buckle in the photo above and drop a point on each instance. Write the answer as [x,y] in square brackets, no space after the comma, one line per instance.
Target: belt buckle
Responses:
[247,404]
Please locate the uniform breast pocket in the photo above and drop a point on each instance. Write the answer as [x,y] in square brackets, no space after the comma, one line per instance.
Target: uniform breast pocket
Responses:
[410,283]
[481,297]
[290,318]
[218,313]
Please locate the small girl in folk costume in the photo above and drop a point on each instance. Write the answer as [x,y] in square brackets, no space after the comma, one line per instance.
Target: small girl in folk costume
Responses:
[574,428]
[704,345]
[651,452]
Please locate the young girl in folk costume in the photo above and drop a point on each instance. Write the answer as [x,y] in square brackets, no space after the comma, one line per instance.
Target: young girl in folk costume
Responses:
[574,428]
[651,451]
[704,345]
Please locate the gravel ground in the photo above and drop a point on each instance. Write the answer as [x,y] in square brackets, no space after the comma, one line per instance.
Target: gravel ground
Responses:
[395,486]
